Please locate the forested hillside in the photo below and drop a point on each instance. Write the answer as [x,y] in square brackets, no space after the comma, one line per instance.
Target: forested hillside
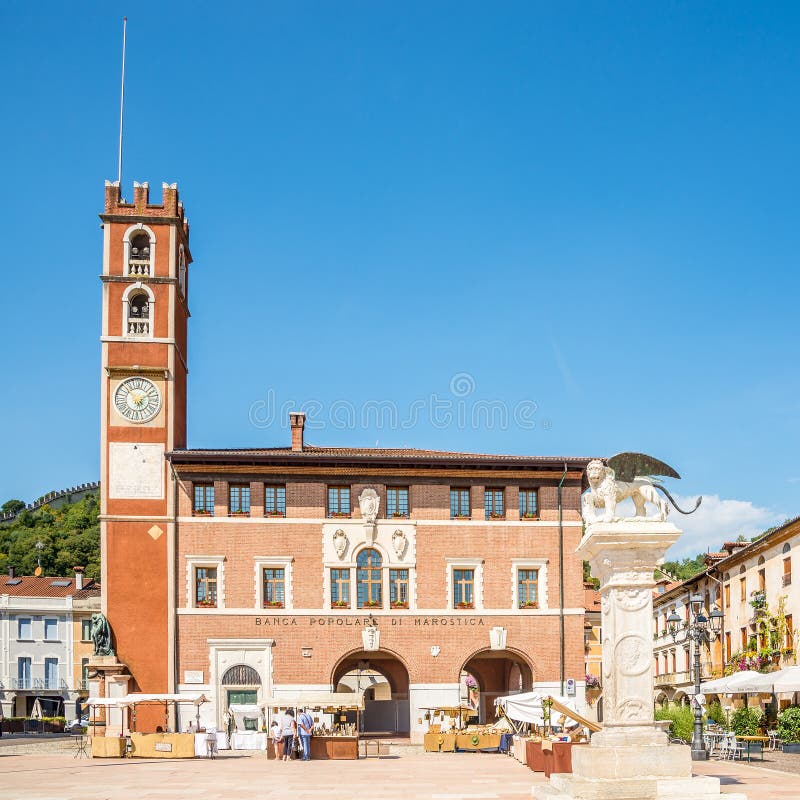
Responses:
[70,536]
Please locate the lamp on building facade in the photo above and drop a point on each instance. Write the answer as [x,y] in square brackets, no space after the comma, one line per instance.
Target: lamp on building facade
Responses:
[700,630]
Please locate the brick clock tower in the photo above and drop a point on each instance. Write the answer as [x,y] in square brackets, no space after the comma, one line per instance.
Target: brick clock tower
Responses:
[143,416]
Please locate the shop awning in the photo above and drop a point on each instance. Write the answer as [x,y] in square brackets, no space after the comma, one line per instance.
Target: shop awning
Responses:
[528,707]
[135,698]
[312,699]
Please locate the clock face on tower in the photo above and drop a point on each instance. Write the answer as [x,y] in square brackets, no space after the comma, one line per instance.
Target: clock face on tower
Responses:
[137,399]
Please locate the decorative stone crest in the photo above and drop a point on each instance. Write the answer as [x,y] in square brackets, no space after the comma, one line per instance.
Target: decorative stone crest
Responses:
[399,543]
[371,638]
[340,542]
[497,638]
[369,502]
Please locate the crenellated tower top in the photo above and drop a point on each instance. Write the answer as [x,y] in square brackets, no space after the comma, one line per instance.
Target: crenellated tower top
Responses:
[170,208]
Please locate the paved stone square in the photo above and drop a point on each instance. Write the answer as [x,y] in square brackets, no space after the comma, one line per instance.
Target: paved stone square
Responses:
[463,776]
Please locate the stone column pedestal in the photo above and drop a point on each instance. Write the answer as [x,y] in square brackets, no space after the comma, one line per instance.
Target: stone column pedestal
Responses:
[110,679]
[630,759]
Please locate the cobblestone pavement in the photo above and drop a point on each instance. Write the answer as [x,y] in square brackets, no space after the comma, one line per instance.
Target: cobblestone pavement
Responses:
[413,776]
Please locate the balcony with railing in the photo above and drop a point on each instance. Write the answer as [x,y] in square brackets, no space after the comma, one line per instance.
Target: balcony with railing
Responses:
[41,685]
[673,678]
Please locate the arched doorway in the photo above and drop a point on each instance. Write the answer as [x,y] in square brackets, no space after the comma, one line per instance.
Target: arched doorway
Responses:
[382,678]
[241,684]
[497,673]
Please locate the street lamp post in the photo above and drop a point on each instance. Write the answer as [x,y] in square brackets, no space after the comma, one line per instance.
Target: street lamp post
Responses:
[700,631]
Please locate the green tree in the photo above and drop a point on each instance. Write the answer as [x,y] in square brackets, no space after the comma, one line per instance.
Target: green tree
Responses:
[70,537]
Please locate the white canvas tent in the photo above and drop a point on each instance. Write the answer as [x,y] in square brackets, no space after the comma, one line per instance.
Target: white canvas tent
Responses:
[749,682]
[527,707]
[246,716]
[730,684]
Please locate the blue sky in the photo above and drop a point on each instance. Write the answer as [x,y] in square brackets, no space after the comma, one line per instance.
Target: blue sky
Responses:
[589,209]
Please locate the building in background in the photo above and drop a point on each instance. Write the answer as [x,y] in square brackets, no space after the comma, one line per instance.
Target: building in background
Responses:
[43,652]
[752,584]
[252,573]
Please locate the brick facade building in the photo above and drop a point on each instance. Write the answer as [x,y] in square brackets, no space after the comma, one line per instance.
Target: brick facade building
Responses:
[255,573]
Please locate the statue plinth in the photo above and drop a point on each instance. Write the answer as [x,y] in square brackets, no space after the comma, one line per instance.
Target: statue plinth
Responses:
[630,759]
[109,678]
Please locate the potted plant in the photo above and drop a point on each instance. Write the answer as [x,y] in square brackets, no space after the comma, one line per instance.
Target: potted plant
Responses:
[399,604]
[497,515]
[273,604]
[745,722]
[529,604]
[371,604]
[789,729]
[340,604]
[530,515]
[461,516]
[465,605]
[206,603]
[399,515]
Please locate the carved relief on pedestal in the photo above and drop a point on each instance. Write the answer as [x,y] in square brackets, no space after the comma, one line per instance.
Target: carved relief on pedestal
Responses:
[633,709]
[607,668]
[631,599]
[633,654]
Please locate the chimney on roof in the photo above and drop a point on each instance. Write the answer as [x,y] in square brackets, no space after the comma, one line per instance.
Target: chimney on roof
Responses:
[297,421]
[78,578]
[12,573]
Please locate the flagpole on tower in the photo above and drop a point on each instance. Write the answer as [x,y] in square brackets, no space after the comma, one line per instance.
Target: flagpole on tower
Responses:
[122,101]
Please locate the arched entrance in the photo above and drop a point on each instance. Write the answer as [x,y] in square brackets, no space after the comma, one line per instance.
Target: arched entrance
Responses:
[241,684]
[497,673]
[382,678]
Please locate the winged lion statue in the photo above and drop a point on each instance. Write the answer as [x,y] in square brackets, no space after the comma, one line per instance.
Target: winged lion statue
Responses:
[629,475]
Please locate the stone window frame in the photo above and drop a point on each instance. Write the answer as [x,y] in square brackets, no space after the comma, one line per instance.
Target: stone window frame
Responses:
[138,288]
[129,234]
[192,563]
[475,564]
[275,562]
[530,563]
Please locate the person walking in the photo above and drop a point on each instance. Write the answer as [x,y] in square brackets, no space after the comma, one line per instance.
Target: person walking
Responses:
[288,732]
[305,723]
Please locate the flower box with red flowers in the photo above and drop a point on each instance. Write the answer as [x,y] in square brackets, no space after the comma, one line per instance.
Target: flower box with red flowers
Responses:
[276,513]
[206,603]
[273,604]
[529,604]
[399,605]
[240,513]
[461,516]
[399,515]
[201,512]
[497,515]
[340,604]
[465,605]
[372,604]
[339,514]
[530,515]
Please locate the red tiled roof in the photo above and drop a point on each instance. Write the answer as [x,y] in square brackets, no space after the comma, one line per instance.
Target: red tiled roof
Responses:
[31,586]
[311,451]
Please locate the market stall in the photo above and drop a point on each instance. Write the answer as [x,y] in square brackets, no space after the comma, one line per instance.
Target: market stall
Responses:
[249,727]
[449,731]
[545,750]
[335,736]
[137,744]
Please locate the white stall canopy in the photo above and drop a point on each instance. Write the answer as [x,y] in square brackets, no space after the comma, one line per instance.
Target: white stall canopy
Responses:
[528,707]
[312,699]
